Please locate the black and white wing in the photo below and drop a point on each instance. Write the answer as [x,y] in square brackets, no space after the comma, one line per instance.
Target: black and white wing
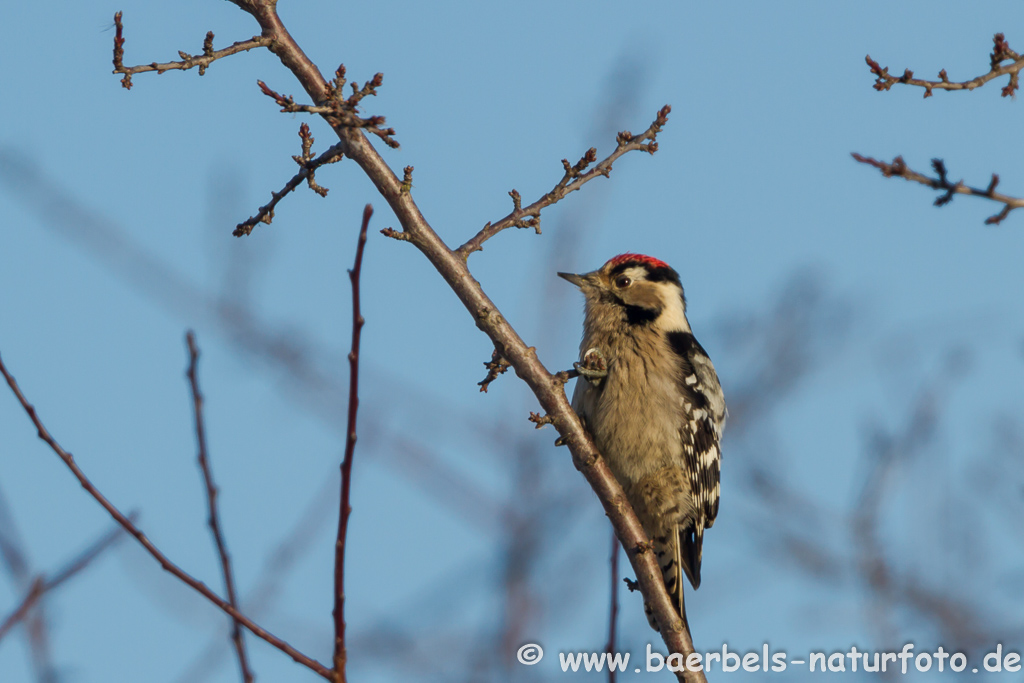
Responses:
[704,414]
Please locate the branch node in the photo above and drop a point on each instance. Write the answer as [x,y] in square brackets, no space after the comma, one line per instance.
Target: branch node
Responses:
[561,377]
[496,366]
[406,180]
[540,420]
[401,236]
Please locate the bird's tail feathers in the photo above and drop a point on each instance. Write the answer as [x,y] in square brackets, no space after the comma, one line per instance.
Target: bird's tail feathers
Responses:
[691,543]
[675,555]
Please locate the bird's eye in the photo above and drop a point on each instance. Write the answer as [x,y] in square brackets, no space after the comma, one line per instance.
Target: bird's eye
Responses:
[623,281]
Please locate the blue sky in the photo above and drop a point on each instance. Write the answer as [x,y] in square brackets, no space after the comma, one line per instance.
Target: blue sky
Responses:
[752,183]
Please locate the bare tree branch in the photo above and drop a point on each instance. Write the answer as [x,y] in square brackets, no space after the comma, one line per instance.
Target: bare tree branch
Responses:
[315,385]
[187,61]
[1001,52]
[211,499]
[42,585]
[132,529]
[307,169]
[574,178]
[14,558]
[344,110]
[340,654]
[266,586]
[899,168]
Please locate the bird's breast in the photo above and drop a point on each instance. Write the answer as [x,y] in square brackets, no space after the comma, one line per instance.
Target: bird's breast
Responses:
[635,413]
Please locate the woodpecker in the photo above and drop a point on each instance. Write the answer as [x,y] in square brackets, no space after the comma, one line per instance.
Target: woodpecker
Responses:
[650,398]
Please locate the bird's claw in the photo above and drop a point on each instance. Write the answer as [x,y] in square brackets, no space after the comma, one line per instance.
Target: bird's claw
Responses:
[593,367]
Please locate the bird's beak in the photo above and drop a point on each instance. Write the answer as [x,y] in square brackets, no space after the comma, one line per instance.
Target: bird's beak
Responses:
[578,280]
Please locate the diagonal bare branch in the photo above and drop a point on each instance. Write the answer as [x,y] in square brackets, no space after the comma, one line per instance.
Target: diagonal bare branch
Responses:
[307,169]
[575,177]
[211,500]
[41,585]
[143,540]
[899,169]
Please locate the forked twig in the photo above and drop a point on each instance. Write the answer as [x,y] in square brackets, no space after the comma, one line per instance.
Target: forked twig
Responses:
[343,110]
[307,169]
[898,168]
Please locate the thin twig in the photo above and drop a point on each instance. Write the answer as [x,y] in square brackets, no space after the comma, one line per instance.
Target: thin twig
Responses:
[132,529]
[41,585]
[574,178]
[211,499]
[14,559]
[19,613]
[496,366]
[343,110]
[307,169]
[613,613]
[899,168]
[187,61]
[266,585]
[1001,52]
[340,654]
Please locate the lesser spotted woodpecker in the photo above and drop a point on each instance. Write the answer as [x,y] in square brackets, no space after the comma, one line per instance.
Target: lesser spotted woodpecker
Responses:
[653,405]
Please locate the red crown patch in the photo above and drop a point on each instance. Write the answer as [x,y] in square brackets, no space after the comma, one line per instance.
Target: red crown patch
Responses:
[648,261]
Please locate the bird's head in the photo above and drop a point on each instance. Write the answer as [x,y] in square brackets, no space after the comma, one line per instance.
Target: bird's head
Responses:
[642,289]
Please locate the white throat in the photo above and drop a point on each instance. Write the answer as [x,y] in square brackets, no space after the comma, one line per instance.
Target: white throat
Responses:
[673,313]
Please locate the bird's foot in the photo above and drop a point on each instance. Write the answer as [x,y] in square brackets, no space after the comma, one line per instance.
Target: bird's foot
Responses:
[593,367]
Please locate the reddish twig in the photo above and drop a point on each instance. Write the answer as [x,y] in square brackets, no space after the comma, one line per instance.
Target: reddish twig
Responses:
[132,529]
[899,168]
[1001,52]
[22,610]
[307,169]
[14,561]
[340,654]
[211,500]
[575,177]
[613,613]
[344,110]
[41,585]
[187,61]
